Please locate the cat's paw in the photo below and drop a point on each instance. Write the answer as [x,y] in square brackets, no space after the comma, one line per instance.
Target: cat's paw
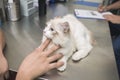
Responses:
[76,58]
[61,69]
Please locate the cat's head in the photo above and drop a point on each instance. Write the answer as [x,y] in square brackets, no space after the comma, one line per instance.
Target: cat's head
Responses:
[56,29]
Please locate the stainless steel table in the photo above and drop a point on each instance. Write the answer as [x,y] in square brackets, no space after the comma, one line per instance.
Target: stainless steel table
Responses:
[24,36]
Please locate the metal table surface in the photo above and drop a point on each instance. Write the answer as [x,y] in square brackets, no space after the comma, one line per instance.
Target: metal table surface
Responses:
[25,35]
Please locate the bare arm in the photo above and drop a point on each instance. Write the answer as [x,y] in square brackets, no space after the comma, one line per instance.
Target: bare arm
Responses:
[103,7]
[3,61]
[115,5]
[2,42]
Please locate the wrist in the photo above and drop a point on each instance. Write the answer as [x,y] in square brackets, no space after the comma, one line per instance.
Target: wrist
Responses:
[108,8]
[21,75]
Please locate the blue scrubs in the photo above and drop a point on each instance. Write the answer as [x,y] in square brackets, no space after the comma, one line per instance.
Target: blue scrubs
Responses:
[115,34]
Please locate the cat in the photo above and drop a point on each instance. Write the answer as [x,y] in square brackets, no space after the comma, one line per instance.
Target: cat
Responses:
[73,37]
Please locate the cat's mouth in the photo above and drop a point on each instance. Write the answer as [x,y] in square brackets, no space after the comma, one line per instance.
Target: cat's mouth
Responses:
[47,36]
[53,41]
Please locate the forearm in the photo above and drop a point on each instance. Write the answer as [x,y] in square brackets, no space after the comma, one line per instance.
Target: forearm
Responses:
[2,40]
[1,55]
[114,6]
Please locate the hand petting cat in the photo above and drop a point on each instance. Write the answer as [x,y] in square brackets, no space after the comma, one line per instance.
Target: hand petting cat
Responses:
[39,62]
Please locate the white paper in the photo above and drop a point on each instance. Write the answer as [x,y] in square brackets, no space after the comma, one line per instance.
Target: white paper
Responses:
[35,3]
[90,14]
[10,1]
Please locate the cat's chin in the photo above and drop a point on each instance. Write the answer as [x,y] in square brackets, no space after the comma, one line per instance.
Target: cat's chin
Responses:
[57,44]
[47,37]
[54,42]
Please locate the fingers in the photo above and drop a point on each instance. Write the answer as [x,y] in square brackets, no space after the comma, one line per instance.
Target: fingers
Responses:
[55,57]
[56,65]
[107,17]
[44,44]
[102,8]
[59,64]
[51,50]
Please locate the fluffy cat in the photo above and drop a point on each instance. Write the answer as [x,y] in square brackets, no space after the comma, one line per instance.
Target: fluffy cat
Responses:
[73,37]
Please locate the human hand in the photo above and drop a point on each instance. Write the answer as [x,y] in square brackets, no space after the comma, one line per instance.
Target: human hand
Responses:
[39,62]
[112,18]
[3,61]
[3,66]
[102,8]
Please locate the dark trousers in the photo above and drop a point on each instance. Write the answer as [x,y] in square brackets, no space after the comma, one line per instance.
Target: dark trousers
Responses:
[115,34]
[114,29]
[116,47]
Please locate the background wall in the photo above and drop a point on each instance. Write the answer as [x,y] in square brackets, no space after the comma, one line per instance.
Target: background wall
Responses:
[2,6]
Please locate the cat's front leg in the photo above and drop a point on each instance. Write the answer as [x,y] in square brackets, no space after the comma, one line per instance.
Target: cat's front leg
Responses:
[64,59]
[82,53]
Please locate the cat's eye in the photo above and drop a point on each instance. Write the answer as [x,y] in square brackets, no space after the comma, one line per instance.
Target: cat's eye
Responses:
[51,29]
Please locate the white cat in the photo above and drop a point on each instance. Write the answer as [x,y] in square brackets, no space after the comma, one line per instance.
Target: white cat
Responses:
[71,35]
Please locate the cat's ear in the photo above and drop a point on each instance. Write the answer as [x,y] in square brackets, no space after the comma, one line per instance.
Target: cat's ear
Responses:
[65,26]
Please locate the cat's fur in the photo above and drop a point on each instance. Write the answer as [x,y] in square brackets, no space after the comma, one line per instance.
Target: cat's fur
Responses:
[71,35]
